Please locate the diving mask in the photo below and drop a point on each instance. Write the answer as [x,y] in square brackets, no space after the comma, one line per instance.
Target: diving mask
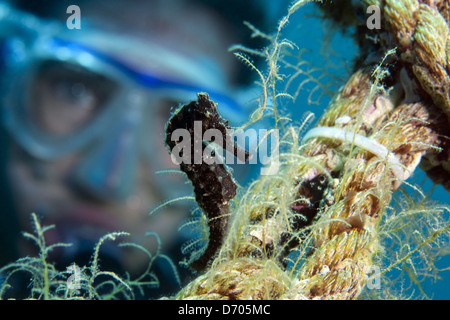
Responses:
[90,92]
[101,88]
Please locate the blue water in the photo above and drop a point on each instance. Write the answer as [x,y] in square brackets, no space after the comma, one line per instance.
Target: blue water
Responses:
[307,32]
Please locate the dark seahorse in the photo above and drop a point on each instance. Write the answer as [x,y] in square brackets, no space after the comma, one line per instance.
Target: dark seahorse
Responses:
[213,184]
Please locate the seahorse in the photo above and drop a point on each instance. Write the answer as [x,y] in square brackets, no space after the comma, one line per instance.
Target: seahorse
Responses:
[213,183]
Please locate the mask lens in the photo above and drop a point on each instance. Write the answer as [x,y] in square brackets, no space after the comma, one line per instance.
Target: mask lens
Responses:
[66,97]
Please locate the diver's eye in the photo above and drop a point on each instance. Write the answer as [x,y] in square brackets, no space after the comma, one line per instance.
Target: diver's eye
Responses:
[75,95]
[65,97]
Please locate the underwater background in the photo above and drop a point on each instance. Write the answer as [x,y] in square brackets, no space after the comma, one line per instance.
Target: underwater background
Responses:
[329,56]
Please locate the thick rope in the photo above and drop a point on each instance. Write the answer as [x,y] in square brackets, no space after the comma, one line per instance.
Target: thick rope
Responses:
[411,121]
[420,31]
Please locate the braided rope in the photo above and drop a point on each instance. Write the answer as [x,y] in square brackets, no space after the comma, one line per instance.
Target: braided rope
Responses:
[420,31]
[344,249]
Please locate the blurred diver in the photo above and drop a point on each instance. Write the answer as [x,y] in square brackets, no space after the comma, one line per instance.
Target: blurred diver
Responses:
[83,115]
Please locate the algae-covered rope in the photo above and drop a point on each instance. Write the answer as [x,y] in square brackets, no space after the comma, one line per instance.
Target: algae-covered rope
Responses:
[326,201]
[420,31]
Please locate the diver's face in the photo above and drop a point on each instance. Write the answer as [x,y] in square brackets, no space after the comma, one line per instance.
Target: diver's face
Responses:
[63,194]
[61,190]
